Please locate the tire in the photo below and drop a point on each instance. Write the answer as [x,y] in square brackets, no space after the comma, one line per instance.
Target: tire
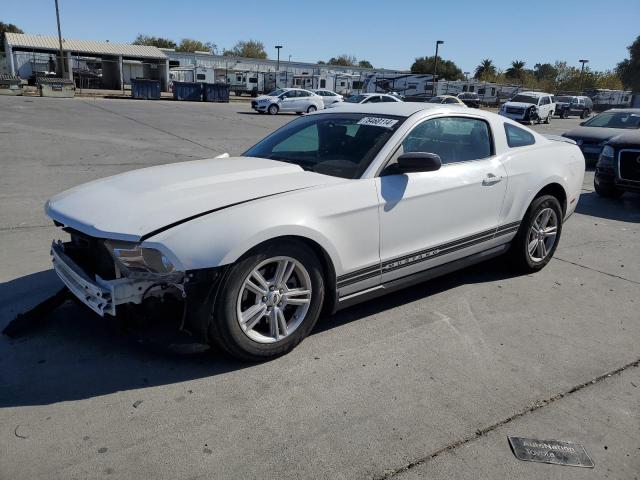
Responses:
[273,109]
[264,339]
[311,109]
[548,119]
[585,113]
[564,114]
[608,192]
[522,259]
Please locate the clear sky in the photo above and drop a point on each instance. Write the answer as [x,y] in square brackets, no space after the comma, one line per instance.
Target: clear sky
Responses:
[389,34]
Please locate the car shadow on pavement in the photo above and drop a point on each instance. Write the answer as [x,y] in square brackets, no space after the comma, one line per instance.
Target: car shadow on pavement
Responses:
[624,209]
[77,355]
[491,271]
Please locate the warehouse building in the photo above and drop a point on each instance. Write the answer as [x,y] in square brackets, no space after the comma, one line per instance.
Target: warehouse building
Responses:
[90,64]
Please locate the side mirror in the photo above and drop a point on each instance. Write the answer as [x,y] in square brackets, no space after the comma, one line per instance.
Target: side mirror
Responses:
[418,162]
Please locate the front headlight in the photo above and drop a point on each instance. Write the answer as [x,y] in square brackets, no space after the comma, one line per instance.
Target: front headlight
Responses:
[137,259]
[606,155]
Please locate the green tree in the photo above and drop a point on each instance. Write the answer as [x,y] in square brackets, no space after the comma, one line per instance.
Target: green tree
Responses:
[544,71]
[486,71]
[154,41]
[190,45]
[321,62]
[343,60]
[516,71]
[447,70]
[247,49]
[8,28]
[365,64]
[629,69]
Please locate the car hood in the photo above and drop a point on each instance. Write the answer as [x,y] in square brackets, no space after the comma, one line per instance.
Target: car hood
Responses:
[267,98]
[131,206]
[592,134]
[519,104]
[630,138]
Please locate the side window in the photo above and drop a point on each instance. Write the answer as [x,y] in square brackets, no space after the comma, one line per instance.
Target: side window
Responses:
[388,99]
[201,76]
[450,100]
[454,139]
[544,101]
[374,99]
[303,94]
[518,137]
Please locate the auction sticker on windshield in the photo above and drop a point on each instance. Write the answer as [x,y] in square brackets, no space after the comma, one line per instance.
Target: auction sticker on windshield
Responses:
[378,122]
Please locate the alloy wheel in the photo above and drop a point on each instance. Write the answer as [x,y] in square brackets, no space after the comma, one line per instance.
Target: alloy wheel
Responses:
[274,299]
[542,235]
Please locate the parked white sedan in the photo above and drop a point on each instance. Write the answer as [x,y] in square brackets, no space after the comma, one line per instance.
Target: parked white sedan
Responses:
[288,100]
[331,209]
[368,98]
[328,97]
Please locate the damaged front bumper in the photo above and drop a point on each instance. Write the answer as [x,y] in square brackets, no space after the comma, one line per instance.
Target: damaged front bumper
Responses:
[103,296]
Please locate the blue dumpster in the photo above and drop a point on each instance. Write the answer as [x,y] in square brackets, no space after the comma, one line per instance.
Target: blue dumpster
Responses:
[145,89]
[191,91]
[215,92]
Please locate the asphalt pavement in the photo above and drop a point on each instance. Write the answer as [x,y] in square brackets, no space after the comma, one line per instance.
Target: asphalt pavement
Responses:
[424,383]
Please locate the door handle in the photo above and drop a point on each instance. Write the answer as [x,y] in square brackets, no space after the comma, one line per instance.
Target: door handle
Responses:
[491,179]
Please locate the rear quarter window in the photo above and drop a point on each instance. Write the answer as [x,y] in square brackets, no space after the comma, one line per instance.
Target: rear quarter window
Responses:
[518,137]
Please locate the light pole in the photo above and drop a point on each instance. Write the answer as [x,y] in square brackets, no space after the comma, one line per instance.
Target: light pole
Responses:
[582,72]
[60,41]
[466,75]
[278,47]
[435,67]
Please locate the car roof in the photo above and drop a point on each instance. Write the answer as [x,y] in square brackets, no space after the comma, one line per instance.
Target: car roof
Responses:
[399,109]
[533,94]
[630,110]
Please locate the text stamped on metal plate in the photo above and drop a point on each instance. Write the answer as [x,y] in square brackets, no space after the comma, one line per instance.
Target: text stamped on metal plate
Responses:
[550,451]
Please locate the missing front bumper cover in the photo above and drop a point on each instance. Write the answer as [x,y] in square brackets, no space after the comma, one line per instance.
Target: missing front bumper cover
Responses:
[103,296]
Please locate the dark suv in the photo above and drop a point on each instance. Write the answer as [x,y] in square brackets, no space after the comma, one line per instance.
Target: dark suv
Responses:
[618,167]
[573,105]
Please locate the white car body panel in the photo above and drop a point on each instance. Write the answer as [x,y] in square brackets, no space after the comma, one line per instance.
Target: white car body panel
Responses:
[209,213]
[517,110]
[289,104]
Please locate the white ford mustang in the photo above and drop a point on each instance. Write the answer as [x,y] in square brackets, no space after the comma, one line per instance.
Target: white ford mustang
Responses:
[331,209]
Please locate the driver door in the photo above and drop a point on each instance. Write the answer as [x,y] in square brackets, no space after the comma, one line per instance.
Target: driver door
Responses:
[431,218]
[289,100]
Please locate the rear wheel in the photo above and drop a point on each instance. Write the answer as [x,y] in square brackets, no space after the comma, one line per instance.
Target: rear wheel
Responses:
[273,109]
[548,119]
[269,303]
[311,109]
[538,236]
[564,113]
[585,113]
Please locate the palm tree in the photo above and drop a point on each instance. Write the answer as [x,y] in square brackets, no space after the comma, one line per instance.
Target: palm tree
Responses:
[516,70]
[485,70]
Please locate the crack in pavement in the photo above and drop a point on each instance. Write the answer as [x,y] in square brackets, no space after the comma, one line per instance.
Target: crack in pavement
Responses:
[167,132]
[25,227]
[537,405]
[596,270]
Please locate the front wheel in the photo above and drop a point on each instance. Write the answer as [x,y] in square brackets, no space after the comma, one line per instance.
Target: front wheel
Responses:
[538,236]
[311,109]
[273,109]
[585,113]
[548,119]
[564,114]
[269,303]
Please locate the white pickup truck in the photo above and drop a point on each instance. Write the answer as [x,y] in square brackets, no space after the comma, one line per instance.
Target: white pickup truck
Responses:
[530,107]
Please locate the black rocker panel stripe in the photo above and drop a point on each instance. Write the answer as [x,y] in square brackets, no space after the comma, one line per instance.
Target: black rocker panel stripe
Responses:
[427,254]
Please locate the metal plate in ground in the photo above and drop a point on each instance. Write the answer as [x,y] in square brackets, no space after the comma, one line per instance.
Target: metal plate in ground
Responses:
[550,451]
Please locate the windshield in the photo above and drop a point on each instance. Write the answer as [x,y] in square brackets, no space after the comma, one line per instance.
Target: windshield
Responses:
[525,99]
[340,145]
[276,93]
[615,120]
[435,100]
[355,98]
